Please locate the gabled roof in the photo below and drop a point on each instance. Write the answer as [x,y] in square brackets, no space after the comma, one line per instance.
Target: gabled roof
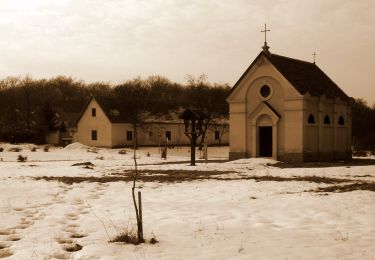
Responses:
[110,108]
[306,77]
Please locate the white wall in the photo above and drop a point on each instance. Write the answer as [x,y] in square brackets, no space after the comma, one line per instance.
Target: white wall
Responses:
[100,123]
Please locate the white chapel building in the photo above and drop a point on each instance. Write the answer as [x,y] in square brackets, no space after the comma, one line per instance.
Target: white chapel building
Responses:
[288,110]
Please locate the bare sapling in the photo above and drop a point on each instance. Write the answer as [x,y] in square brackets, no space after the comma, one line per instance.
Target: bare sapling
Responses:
[137,207]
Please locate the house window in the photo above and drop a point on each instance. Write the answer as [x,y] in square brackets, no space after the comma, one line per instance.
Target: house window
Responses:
[93,112]
[168,135]
[341,120]
[265,91]
[327,120]
[217,135]
[129,135]
[311,119]
[94,135]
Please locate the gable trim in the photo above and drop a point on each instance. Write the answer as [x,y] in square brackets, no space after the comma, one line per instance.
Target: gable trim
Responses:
[264,108]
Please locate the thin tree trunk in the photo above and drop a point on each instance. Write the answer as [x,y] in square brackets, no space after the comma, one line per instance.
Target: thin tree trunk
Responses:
[135,176]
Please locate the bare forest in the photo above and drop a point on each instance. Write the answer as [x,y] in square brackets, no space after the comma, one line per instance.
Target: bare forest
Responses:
[29,108]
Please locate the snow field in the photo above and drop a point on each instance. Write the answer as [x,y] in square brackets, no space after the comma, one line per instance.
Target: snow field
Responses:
[209,219]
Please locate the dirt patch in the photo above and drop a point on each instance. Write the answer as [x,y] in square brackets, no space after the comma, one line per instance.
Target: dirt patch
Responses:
[367,186]
[312,179]
[145,176]
[187,175]
[83,164]
[348,163]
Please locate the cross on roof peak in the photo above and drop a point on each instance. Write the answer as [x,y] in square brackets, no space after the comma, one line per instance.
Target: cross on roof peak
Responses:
[314,54]
[265,47]
[265,33]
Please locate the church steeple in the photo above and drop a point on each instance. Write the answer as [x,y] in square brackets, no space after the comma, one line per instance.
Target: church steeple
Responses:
[265,47]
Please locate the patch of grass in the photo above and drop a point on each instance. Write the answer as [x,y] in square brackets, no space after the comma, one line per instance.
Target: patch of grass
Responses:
[83,164]
[367,186]
[187,175]
[145,176]
[352,162]
[128,236]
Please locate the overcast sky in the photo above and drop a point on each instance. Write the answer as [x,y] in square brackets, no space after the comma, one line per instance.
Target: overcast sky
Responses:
[116,40]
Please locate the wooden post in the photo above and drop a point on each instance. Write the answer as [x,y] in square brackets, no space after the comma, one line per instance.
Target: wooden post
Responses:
[193,141]
[205,150]
[140,222]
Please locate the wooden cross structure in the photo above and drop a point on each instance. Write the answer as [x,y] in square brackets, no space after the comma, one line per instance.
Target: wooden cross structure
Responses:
[265,34]
[314,54]
[194,119]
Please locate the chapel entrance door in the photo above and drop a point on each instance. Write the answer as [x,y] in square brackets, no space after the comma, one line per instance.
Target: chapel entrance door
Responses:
[265,141]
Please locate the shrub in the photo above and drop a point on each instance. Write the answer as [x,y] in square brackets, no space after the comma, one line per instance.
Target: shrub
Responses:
[1,149]
[46,148]
[21,158]
[15,149]
[34,149]
[126,236]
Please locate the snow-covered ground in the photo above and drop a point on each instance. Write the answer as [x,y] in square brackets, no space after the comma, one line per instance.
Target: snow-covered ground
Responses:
[244,209]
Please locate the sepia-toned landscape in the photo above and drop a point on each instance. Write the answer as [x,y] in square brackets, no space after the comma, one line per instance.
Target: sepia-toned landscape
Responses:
[243,209]
[211,129]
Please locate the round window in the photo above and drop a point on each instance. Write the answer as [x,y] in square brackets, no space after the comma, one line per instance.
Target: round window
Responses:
[265,91]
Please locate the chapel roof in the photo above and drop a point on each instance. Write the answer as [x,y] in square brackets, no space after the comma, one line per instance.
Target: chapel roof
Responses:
[306,77]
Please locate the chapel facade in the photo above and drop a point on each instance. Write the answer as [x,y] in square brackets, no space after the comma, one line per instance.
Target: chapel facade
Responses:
[288,110]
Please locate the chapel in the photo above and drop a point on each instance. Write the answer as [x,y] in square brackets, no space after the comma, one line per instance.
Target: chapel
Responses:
[289,110]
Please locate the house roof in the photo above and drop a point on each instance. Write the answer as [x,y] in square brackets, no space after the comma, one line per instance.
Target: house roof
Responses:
[110,108]
[113,110]
[306,77]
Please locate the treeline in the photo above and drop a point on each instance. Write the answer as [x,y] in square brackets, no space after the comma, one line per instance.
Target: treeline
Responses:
[363,126]
[28,106]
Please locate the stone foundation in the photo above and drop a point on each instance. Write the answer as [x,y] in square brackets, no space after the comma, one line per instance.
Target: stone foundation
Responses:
[290,157]
[236,155]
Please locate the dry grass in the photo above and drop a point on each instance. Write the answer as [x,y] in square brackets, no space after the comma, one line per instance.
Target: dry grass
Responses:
[187,175]
[173,176]
[367,186]
[128,236]
[348,163]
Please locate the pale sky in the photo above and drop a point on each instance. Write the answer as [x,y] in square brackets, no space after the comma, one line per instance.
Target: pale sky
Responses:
[117,40]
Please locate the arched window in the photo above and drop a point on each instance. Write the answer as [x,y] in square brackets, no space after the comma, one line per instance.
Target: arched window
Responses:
[311,119]
[341,120]
[327,120]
